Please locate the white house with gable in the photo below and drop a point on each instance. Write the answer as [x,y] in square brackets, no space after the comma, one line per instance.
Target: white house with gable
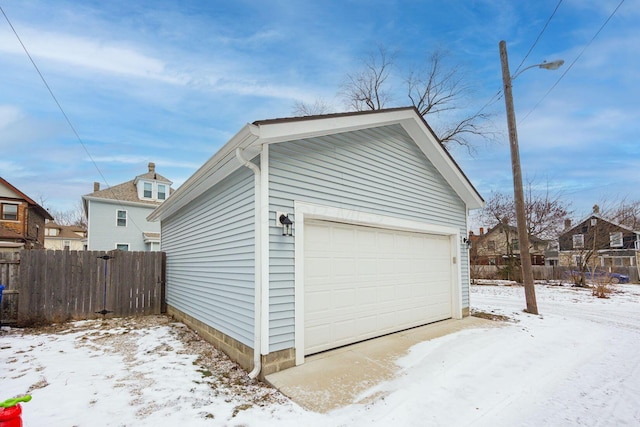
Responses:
[117,216]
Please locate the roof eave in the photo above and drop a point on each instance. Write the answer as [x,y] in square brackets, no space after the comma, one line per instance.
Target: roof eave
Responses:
[218,167]
[252,136]
[118,202]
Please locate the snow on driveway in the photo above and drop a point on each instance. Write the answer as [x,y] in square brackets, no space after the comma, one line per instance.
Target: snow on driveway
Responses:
[578,363]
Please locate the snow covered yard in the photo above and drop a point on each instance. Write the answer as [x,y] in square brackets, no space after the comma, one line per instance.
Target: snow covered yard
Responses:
[578,363]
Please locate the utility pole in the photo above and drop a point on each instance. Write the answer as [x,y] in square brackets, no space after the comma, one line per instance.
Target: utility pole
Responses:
[518,193]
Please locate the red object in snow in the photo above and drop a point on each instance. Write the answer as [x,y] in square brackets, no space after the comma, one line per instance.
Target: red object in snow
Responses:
[11,417]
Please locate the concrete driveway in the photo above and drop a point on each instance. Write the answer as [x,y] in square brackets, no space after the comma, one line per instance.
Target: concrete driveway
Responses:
[336,378]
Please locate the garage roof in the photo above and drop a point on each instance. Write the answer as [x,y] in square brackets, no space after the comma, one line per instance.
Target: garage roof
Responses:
[252,136]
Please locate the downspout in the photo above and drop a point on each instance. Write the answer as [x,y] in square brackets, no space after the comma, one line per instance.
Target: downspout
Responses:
[257,335]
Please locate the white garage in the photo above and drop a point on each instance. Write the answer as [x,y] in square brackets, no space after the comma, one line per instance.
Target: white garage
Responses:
[365,281]
[374,242]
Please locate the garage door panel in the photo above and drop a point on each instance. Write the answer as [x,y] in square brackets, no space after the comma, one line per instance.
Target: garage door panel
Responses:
[362,282]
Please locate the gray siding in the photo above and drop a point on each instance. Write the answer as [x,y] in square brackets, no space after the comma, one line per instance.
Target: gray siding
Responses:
[210,257]
[376,170]
[104,233]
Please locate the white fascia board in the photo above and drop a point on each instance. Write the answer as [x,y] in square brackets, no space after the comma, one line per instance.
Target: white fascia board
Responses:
[119,202]
[292,130]
[434,151]
[218,167]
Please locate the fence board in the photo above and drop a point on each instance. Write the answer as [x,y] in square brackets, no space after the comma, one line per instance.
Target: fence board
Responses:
[54,286]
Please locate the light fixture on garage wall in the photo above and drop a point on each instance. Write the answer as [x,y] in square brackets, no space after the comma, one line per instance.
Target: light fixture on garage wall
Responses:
[283,220]
[467,242]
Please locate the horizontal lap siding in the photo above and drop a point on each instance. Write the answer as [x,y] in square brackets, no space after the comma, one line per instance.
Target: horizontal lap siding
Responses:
[104,233]
[375,170]
[211,259]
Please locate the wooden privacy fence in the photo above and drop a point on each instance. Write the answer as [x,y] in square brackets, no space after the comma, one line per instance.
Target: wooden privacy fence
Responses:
[9,270]
[54,286]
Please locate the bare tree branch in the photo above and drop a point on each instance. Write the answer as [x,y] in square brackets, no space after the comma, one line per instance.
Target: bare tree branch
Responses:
[621,211]
[319,106]
[545,212]
[365,90]
[434,90]
[74,216]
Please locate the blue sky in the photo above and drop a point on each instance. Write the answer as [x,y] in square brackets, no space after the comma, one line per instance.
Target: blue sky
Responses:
[171,81]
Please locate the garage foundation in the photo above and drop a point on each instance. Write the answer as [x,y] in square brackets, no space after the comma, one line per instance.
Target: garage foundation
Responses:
[237,351]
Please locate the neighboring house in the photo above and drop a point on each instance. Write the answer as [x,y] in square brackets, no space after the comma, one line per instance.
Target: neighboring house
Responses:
[500,244]
[65,237]
[306,234]
[21,220]
[117,216]
[598,242]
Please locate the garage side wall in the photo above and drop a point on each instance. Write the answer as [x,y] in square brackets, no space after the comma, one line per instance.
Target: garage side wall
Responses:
[378,170]
[210,259]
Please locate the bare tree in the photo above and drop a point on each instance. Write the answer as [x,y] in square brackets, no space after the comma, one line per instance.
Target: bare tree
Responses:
[438,88]
[435,89]
[545,212]
[73,216]
[623,212]
[319,106]
[366,89]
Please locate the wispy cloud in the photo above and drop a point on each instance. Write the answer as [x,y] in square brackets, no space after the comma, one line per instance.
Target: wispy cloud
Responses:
[94,54]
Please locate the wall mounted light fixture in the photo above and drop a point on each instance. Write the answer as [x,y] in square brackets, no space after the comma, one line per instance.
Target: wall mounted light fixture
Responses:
[467,242]
[283,220]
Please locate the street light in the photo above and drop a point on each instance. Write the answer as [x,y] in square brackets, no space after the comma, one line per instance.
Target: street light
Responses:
[518,193]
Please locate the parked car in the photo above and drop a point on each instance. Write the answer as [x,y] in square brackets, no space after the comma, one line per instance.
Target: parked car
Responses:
[600,275]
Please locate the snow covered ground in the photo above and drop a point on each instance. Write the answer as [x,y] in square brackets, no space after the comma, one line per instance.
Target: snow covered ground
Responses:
[578,363]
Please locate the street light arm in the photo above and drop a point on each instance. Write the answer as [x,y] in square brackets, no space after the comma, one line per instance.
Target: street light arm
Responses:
[553,65]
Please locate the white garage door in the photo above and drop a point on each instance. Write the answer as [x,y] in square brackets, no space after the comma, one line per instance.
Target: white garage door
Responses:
[361,282]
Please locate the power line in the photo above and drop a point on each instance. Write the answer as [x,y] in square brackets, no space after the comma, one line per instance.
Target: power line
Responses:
[539,36]
[66,117]
[495,98]
[574,61]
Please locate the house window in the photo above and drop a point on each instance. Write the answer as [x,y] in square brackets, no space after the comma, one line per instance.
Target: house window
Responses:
[122,246]
[491,245]
[122,219]
[618,262]
[515,245]
[162,192]
[577,260]
[492,261]
[615,240]
[9,212]
[67,243]
[148,193]
[578,241]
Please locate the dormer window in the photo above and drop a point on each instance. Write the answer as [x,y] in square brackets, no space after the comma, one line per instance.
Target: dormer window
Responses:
[152,190]
[148,190]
